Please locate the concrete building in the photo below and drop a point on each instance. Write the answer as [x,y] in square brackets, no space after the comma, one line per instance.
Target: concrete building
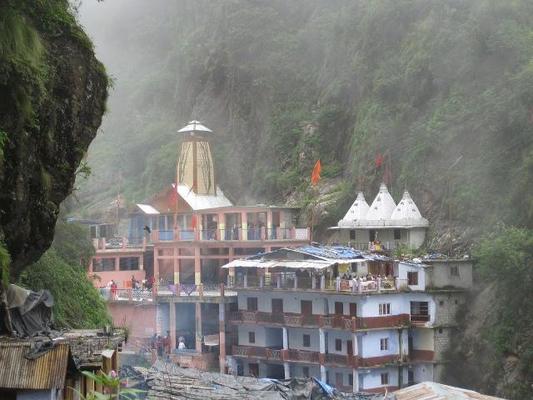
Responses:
[382,225]
[359,321]
[175,242]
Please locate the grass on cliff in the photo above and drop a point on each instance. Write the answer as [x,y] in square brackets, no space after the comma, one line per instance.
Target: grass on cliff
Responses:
[77,303]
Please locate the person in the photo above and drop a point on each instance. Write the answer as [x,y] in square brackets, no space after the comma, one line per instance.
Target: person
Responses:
[114,289]
[338,283]
[235,232]
[133,282]
[181,344]
[159,345]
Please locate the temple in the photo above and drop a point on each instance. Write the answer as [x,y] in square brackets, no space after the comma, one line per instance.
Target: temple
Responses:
[160,267]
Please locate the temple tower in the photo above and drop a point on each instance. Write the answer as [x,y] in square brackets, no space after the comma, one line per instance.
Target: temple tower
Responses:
[195,164]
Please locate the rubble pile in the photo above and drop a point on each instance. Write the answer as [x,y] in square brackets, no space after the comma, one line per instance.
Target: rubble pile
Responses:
[168,381]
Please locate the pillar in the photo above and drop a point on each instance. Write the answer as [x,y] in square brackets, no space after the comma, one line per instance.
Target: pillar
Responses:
[172,325]
[287,370]
[244,225]
[278,281]
[175,253]
[197,267]
[285,339]
[199,334]
[261,281]
[156,268]
[313,281]
[295,281]
[355,375]
[245,284]
[117,263]
[221,226]
[269,224]
[322,341]
[141,263]
[322,282]
[322,373]
[222,338]
[355,345]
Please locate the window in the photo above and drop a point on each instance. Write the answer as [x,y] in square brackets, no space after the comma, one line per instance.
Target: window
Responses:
[338,345]
[353,309]
[352,234]
[307,341]
[385,378]
[419,311]
[339,308]
[454,271]
[305,372]
[372,235]
[412,278]
[384,309]
[350,379]
[440,330]
[251,303]
[384,344]
[397,234]
[251,337]
[277,306]
[129,263]
[441,303]
[103,264]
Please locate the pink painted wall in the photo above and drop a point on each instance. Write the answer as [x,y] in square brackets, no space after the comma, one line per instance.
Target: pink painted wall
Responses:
[139,319]
[120,277]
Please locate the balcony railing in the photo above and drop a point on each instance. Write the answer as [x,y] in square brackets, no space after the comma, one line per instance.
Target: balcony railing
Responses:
[419,318]
[289,281]
[421,355]
[249,234]
[303,356]
[257,352]
[343,322]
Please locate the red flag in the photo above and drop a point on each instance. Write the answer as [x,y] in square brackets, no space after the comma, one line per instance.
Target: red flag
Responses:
[315,175]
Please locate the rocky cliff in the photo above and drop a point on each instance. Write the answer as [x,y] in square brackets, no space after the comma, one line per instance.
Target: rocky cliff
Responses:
[52,97]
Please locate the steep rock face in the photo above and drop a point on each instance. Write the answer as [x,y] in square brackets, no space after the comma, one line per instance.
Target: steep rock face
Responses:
[52,98]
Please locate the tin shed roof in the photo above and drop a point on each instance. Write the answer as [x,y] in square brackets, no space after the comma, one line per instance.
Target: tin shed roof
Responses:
[45,372]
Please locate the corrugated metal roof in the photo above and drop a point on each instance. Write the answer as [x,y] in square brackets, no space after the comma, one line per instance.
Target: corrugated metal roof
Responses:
[45,372]
[203,202]
[437,391]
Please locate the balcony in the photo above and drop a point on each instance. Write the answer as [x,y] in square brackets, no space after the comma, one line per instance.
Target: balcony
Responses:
[238,234]
[257,352]
[376,361]
[421,355]
[343,322]
[420,318]
[302,356]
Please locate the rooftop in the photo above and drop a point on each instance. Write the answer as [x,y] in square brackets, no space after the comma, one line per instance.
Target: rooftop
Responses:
[438,391]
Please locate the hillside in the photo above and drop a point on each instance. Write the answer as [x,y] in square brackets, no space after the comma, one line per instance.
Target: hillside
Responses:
[445,89]
[441,91]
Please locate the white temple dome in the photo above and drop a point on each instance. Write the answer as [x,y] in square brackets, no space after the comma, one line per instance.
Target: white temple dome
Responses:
[382,206]
[357,211]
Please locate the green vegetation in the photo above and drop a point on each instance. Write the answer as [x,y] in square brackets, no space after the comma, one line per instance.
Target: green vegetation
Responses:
[61,270]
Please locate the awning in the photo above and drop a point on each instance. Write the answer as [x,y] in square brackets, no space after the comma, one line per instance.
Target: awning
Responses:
[147,209]
[270,264]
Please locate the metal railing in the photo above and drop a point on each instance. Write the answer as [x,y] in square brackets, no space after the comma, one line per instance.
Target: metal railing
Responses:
[230,234]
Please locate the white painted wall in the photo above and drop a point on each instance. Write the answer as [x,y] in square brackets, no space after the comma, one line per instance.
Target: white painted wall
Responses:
[423,339]
[291,301]
[371,343]
[345,372]
[297,370]
[404,268]
[332,335]
[296,339]
[441,275]
[371,378]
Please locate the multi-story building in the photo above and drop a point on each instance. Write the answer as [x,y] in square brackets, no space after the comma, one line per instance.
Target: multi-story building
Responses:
[382,225]
[176,243]
[360,321]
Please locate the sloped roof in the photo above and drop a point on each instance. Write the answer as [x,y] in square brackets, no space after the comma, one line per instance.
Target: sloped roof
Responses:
[45,372]
[382,206]
[407,213]
[147,209]
[195,126]
[438,391]
[203,202]
[357,211]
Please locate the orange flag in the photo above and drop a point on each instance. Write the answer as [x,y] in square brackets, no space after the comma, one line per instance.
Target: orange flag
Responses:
[315,175]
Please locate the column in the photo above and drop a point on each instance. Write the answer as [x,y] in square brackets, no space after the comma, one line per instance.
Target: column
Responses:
[199,333]
[197,267]
[285,339]
[245,284]
[322,282]
[221,226]
[117,263]
[141,263]
[287,370]
[295,281]
[355,375]
[355,345]
[156,267]
[175,253]
[222,337]
[172,326]
[322,341]
[322,373]
[278,280]
[269,224]
[313,281]
[244,225]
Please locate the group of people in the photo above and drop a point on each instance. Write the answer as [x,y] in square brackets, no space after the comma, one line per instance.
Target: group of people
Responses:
[162,345]
[145,284]
[359,283]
